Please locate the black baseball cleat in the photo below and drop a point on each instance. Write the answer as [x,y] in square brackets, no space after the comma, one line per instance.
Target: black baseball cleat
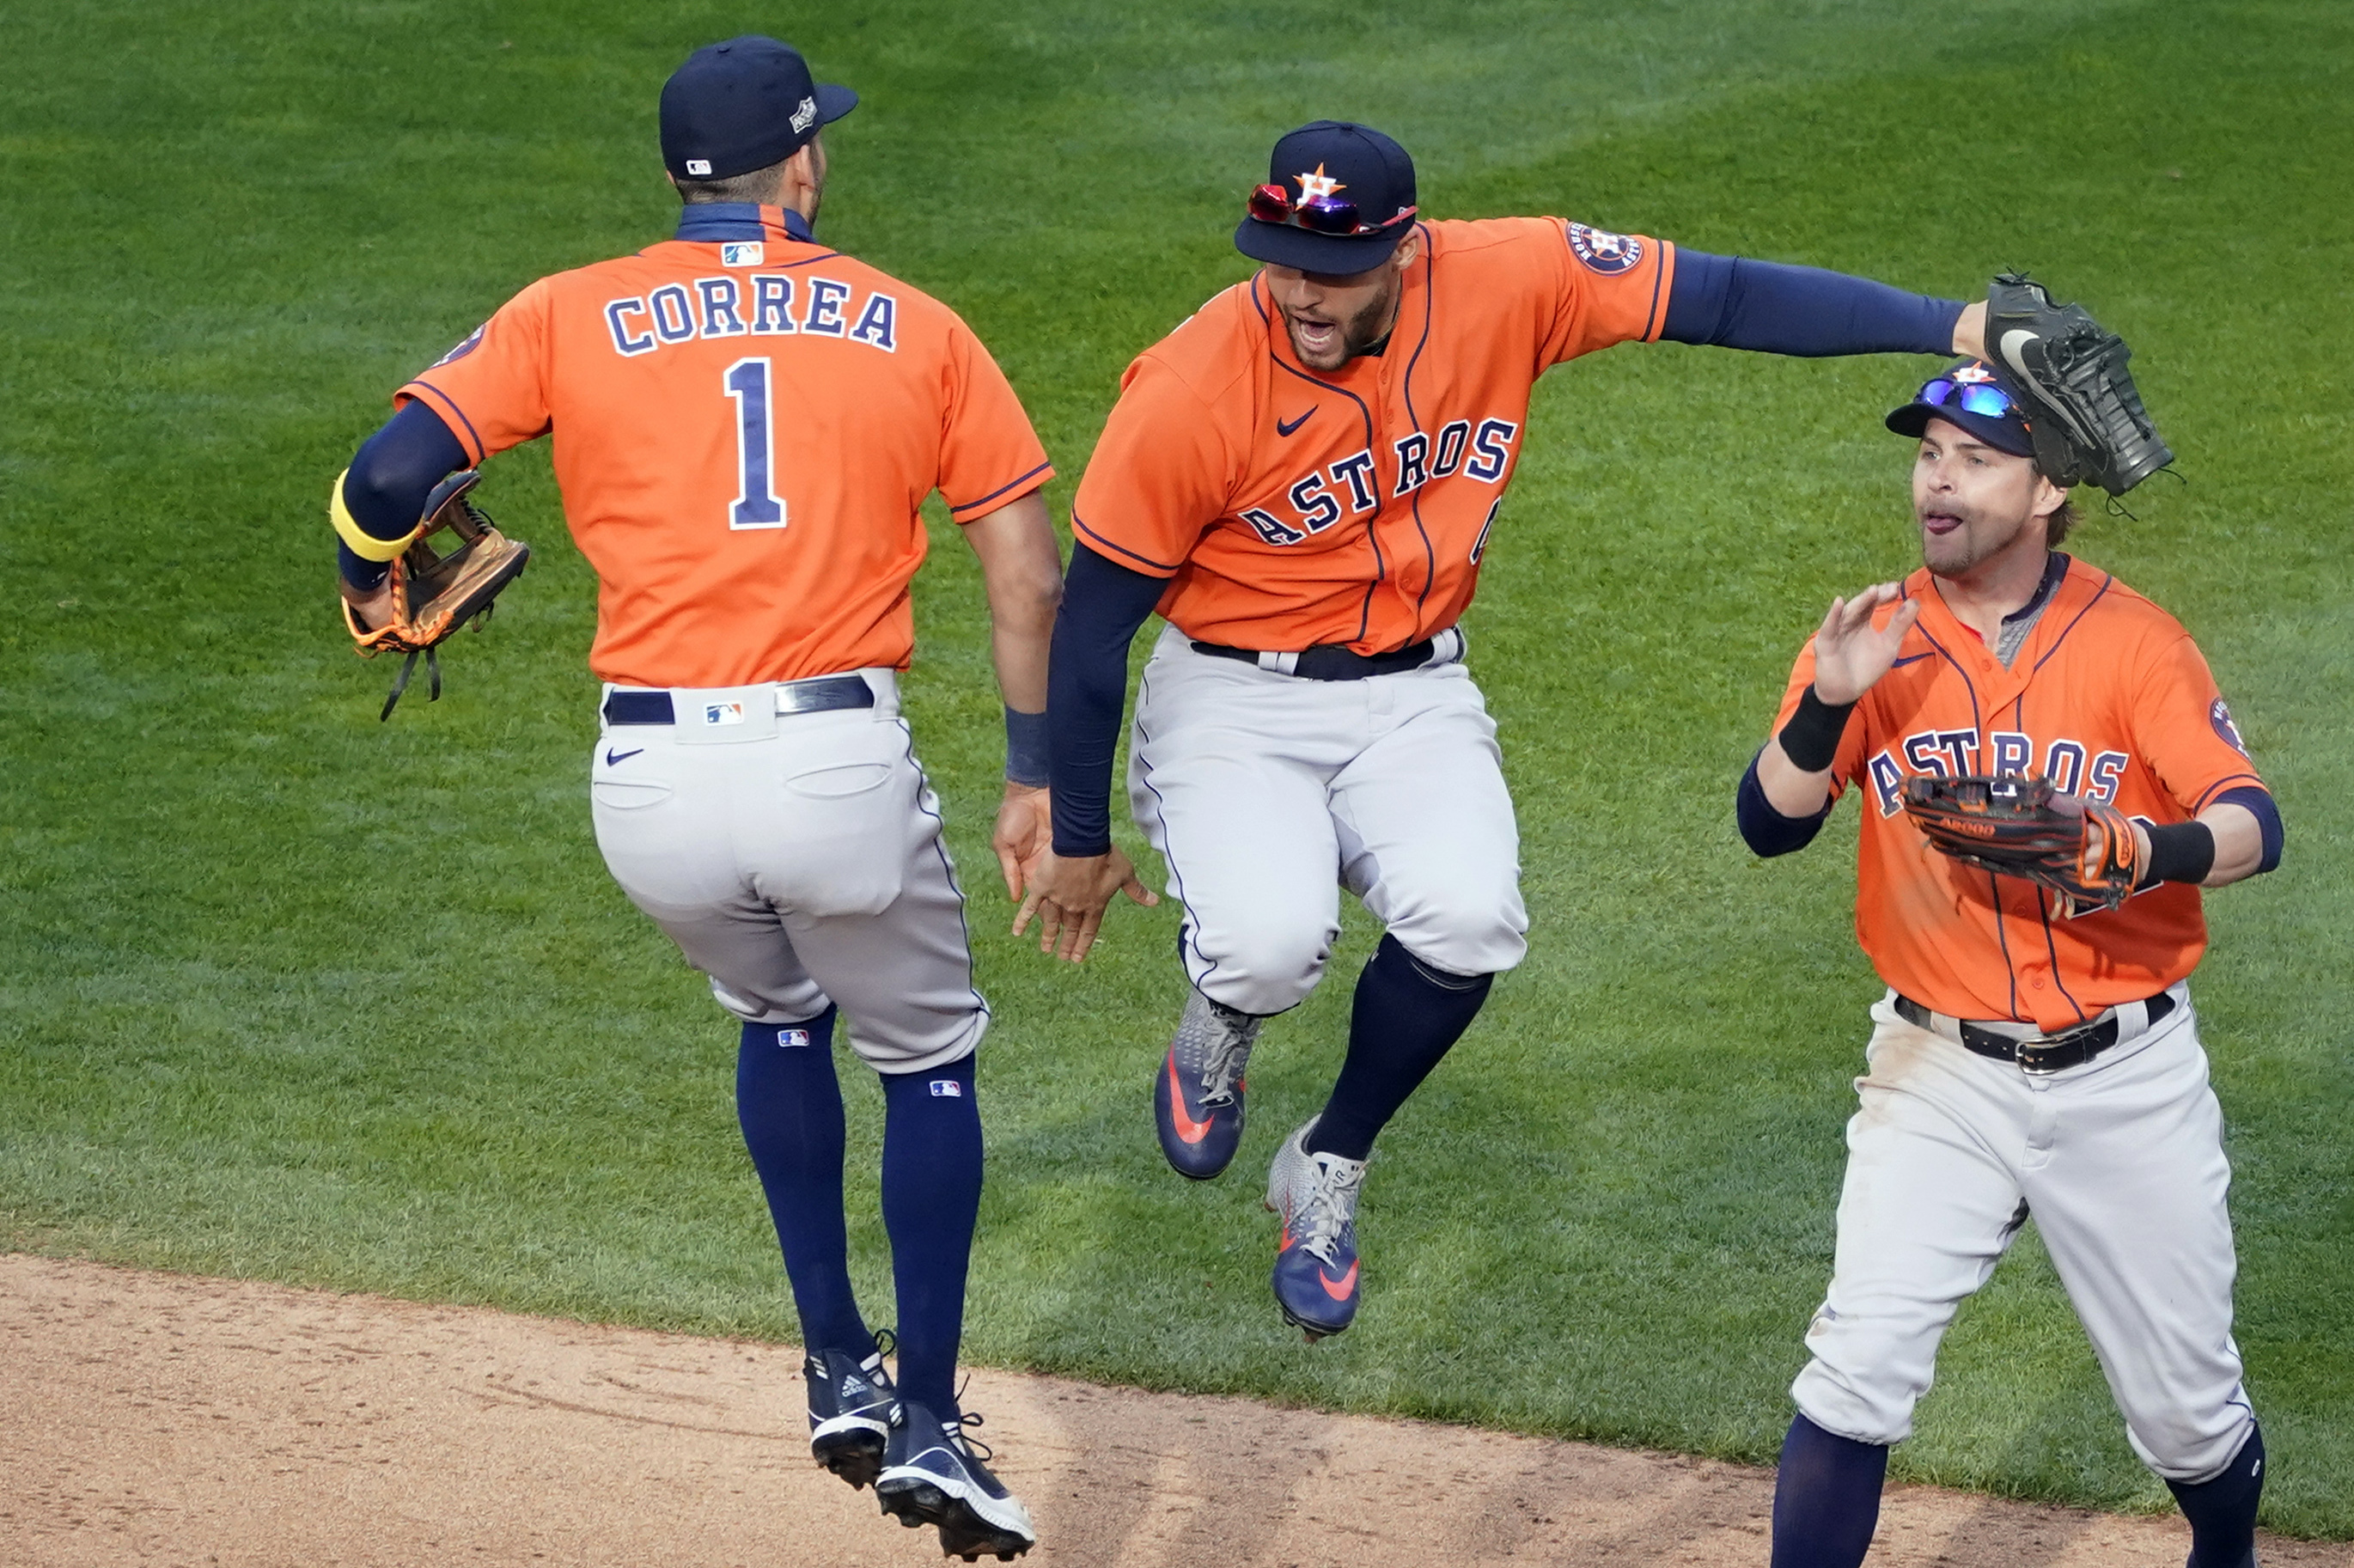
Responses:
[931,1475]
[1197,1100]
[850,1403]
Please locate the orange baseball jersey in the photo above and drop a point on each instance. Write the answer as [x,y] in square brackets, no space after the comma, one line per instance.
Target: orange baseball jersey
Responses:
[2108,699]
[744,428]
[1290,507]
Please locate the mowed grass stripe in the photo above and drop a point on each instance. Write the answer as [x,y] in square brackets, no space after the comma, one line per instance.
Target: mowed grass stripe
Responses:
[293,995]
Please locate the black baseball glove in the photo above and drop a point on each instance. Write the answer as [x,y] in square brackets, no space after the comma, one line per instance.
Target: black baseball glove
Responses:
[2082,851]
[2088,422]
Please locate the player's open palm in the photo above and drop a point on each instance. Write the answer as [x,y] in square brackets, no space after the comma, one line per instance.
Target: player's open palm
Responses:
[1851,652]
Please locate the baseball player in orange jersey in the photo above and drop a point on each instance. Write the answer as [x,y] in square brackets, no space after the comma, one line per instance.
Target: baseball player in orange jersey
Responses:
[1301,480]
[746,424]
[2021,1063]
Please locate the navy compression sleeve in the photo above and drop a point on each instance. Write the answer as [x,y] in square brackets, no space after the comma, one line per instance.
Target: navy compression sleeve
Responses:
[1104,604]
[2266,811]
[1732,302]
[1766,831]
[396,470]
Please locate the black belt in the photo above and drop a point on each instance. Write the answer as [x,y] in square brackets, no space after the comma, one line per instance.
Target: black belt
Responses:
[1331,662]
[2044,1054]
[826,694]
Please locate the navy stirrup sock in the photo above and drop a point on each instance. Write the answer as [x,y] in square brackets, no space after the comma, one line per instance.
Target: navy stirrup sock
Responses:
[1825,1498]
[790,1104]
[931,1198]
[2222,1511]
[1407,1016]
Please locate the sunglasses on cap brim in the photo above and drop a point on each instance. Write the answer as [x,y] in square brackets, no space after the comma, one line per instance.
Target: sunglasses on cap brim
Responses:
[1338,220]
[1983,398]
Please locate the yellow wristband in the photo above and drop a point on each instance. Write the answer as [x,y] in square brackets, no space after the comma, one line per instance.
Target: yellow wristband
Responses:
[364,545]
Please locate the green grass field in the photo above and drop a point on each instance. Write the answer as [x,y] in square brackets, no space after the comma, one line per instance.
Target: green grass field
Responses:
[285,993]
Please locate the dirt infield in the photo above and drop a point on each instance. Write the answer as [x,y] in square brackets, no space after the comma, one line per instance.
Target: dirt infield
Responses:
[152,1418]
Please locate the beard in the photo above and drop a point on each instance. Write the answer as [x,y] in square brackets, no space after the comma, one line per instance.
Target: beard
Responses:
[1959,550]
[1359,333]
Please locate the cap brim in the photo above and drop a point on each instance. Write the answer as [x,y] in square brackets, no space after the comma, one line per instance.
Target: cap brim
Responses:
[1282,245]
[833,102]
[1913,420]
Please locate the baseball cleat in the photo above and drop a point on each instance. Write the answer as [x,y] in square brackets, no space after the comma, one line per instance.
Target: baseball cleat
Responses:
[850,1403]
[1316,1267]
[1197,1101]
[931,1475]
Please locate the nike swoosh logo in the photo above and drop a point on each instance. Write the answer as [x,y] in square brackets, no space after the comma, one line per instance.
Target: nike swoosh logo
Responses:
[1283,430]
[2012,343]
[612,757]
[1911,659]
[1188,1130]
[1339,1289]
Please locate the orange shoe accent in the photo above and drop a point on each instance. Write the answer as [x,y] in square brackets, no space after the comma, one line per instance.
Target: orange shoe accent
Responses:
[1188,1130]
[1339,1289]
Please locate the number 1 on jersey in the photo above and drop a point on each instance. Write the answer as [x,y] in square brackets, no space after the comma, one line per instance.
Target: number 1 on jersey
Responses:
[757,505]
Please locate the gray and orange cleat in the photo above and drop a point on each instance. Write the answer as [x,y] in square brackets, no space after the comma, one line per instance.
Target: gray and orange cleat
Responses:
[850,1402]
[1197,1102]
[931,1475]
[1316,1266]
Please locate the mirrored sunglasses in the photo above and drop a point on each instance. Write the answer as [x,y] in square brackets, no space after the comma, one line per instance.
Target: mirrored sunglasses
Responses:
[1981,398]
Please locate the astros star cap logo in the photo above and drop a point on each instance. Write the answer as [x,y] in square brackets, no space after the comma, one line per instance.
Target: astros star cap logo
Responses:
[1317,187]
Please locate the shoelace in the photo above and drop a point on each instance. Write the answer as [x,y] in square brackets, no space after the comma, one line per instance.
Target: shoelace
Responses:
[1223,1056]
[1332,1204]
[957,1430]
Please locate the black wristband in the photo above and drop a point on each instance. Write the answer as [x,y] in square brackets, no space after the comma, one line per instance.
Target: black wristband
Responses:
[2179,852]
[1027,753]
[1811,739]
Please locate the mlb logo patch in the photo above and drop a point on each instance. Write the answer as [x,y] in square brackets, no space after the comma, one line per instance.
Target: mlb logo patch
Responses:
[1602,251]
[789,1038]
[698,166]
[804,115]
[742,253]
[723,713]
[946,1089]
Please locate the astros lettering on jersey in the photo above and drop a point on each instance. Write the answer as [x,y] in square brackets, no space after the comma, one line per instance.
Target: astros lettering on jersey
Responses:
[1352,506]
[2108,699]
[770,532]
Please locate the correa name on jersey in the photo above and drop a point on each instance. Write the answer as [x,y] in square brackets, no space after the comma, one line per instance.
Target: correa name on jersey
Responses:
[1316,497]
[762,304]
[1954,754]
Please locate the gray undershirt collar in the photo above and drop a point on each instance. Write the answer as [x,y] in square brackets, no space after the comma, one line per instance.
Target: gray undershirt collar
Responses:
[2020,623]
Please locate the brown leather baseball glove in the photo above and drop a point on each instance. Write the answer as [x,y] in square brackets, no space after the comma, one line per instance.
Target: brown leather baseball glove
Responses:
[432,595]
[2084,853]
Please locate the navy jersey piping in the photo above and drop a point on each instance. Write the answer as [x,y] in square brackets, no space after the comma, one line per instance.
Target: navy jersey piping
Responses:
[1162,567]
[1429,306]
[1001,489]
[2107,582]
[481,453]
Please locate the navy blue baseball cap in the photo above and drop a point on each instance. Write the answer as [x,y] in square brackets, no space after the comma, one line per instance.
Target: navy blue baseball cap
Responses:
[1330,176]
[743,105]
[1973,396]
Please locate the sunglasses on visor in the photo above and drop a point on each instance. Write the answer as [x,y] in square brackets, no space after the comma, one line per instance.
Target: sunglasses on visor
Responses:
[1981,398]
[1273,204]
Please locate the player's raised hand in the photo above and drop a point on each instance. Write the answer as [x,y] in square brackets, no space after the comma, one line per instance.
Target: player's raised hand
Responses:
[1850,653]
[1025,831]
[1068,897]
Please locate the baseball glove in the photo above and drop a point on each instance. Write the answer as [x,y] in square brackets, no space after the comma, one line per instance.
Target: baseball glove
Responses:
[2017,825]
[432,594]
[2088,418]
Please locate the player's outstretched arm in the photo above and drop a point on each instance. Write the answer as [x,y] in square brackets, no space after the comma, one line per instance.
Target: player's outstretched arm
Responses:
[1021,572]
[1103,606]
[1770,307]
[1851,656]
